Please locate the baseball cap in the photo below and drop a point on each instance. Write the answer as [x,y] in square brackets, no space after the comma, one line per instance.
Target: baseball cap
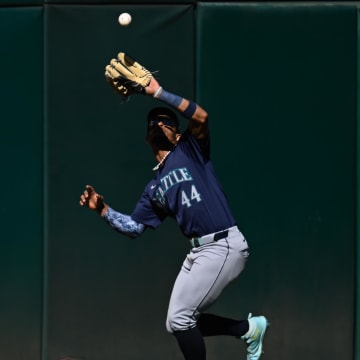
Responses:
[164,114]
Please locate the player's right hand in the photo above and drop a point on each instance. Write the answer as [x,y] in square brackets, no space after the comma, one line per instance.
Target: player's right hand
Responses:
[91,199]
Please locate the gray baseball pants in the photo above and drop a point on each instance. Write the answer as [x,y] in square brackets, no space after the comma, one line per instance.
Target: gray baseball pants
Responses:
[205,273]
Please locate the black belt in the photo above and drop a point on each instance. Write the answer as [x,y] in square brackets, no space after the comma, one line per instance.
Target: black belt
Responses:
[207,239]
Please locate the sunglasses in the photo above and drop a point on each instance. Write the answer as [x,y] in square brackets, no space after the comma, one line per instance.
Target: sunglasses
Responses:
[165,121]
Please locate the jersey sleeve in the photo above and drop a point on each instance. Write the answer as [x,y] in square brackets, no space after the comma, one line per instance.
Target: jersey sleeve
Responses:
[199,149]
[146,213]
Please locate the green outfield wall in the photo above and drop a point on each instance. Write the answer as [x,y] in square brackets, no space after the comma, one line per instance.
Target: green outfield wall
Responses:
[280,83]
[21,134]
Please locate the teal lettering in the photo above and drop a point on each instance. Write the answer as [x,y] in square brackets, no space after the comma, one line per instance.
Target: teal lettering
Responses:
[175,177]
[186,174]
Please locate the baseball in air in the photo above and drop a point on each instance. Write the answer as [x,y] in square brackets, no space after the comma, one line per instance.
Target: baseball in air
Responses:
[124,19]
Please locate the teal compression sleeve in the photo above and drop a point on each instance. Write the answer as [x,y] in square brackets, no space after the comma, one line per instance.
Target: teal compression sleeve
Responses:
[123,224]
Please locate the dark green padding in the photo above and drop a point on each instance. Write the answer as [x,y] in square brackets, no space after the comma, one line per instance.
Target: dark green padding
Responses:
[23,3]
[279,82]
[107,295]
[133,5]
[21,212]
[357,270]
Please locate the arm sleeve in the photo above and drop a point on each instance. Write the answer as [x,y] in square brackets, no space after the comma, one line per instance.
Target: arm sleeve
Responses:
[124,224]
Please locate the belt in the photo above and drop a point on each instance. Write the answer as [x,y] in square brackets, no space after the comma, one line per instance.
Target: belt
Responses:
[207,239]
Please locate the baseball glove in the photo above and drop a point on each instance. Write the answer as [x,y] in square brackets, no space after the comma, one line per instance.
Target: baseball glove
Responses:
[127,76]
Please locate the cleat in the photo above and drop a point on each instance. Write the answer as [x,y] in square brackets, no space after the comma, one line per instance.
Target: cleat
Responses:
[254,337]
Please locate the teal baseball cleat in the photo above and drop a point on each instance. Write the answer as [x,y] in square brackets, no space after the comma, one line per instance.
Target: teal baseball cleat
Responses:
[254,337]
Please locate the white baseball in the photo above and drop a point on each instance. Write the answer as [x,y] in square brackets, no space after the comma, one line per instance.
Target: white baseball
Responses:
[124,19]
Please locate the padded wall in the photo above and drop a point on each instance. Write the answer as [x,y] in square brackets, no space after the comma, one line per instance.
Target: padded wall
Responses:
[284,144]
[107,295]
[357,254]
[20,3]
[122,3]
[283,129]
[21,183]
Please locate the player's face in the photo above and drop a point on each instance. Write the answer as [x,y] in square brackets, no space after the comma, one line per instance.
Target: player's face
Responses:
[161,135]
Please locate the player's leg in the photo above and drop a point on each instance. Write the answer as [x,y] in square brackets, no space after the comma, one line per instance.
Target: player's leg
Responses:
[205,273]
[183,327]
[191,343]
[213,325]
[210,325]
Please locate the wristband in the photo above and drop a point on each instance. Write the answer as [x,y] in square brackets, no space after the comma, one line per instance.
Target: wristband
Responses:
[169,98]
[190,110]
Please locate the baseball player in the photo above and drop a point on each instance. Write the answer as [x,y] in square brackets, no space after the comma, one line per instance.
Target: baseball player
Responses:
[185,188]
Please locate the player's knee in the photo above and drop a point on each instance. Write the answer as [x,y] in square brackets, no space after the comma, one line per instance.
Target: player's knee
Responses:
[179,322]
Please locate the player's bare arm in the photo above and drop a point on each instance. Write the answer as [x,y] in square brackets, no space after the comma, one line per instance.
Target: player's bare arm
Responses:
[198,117]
